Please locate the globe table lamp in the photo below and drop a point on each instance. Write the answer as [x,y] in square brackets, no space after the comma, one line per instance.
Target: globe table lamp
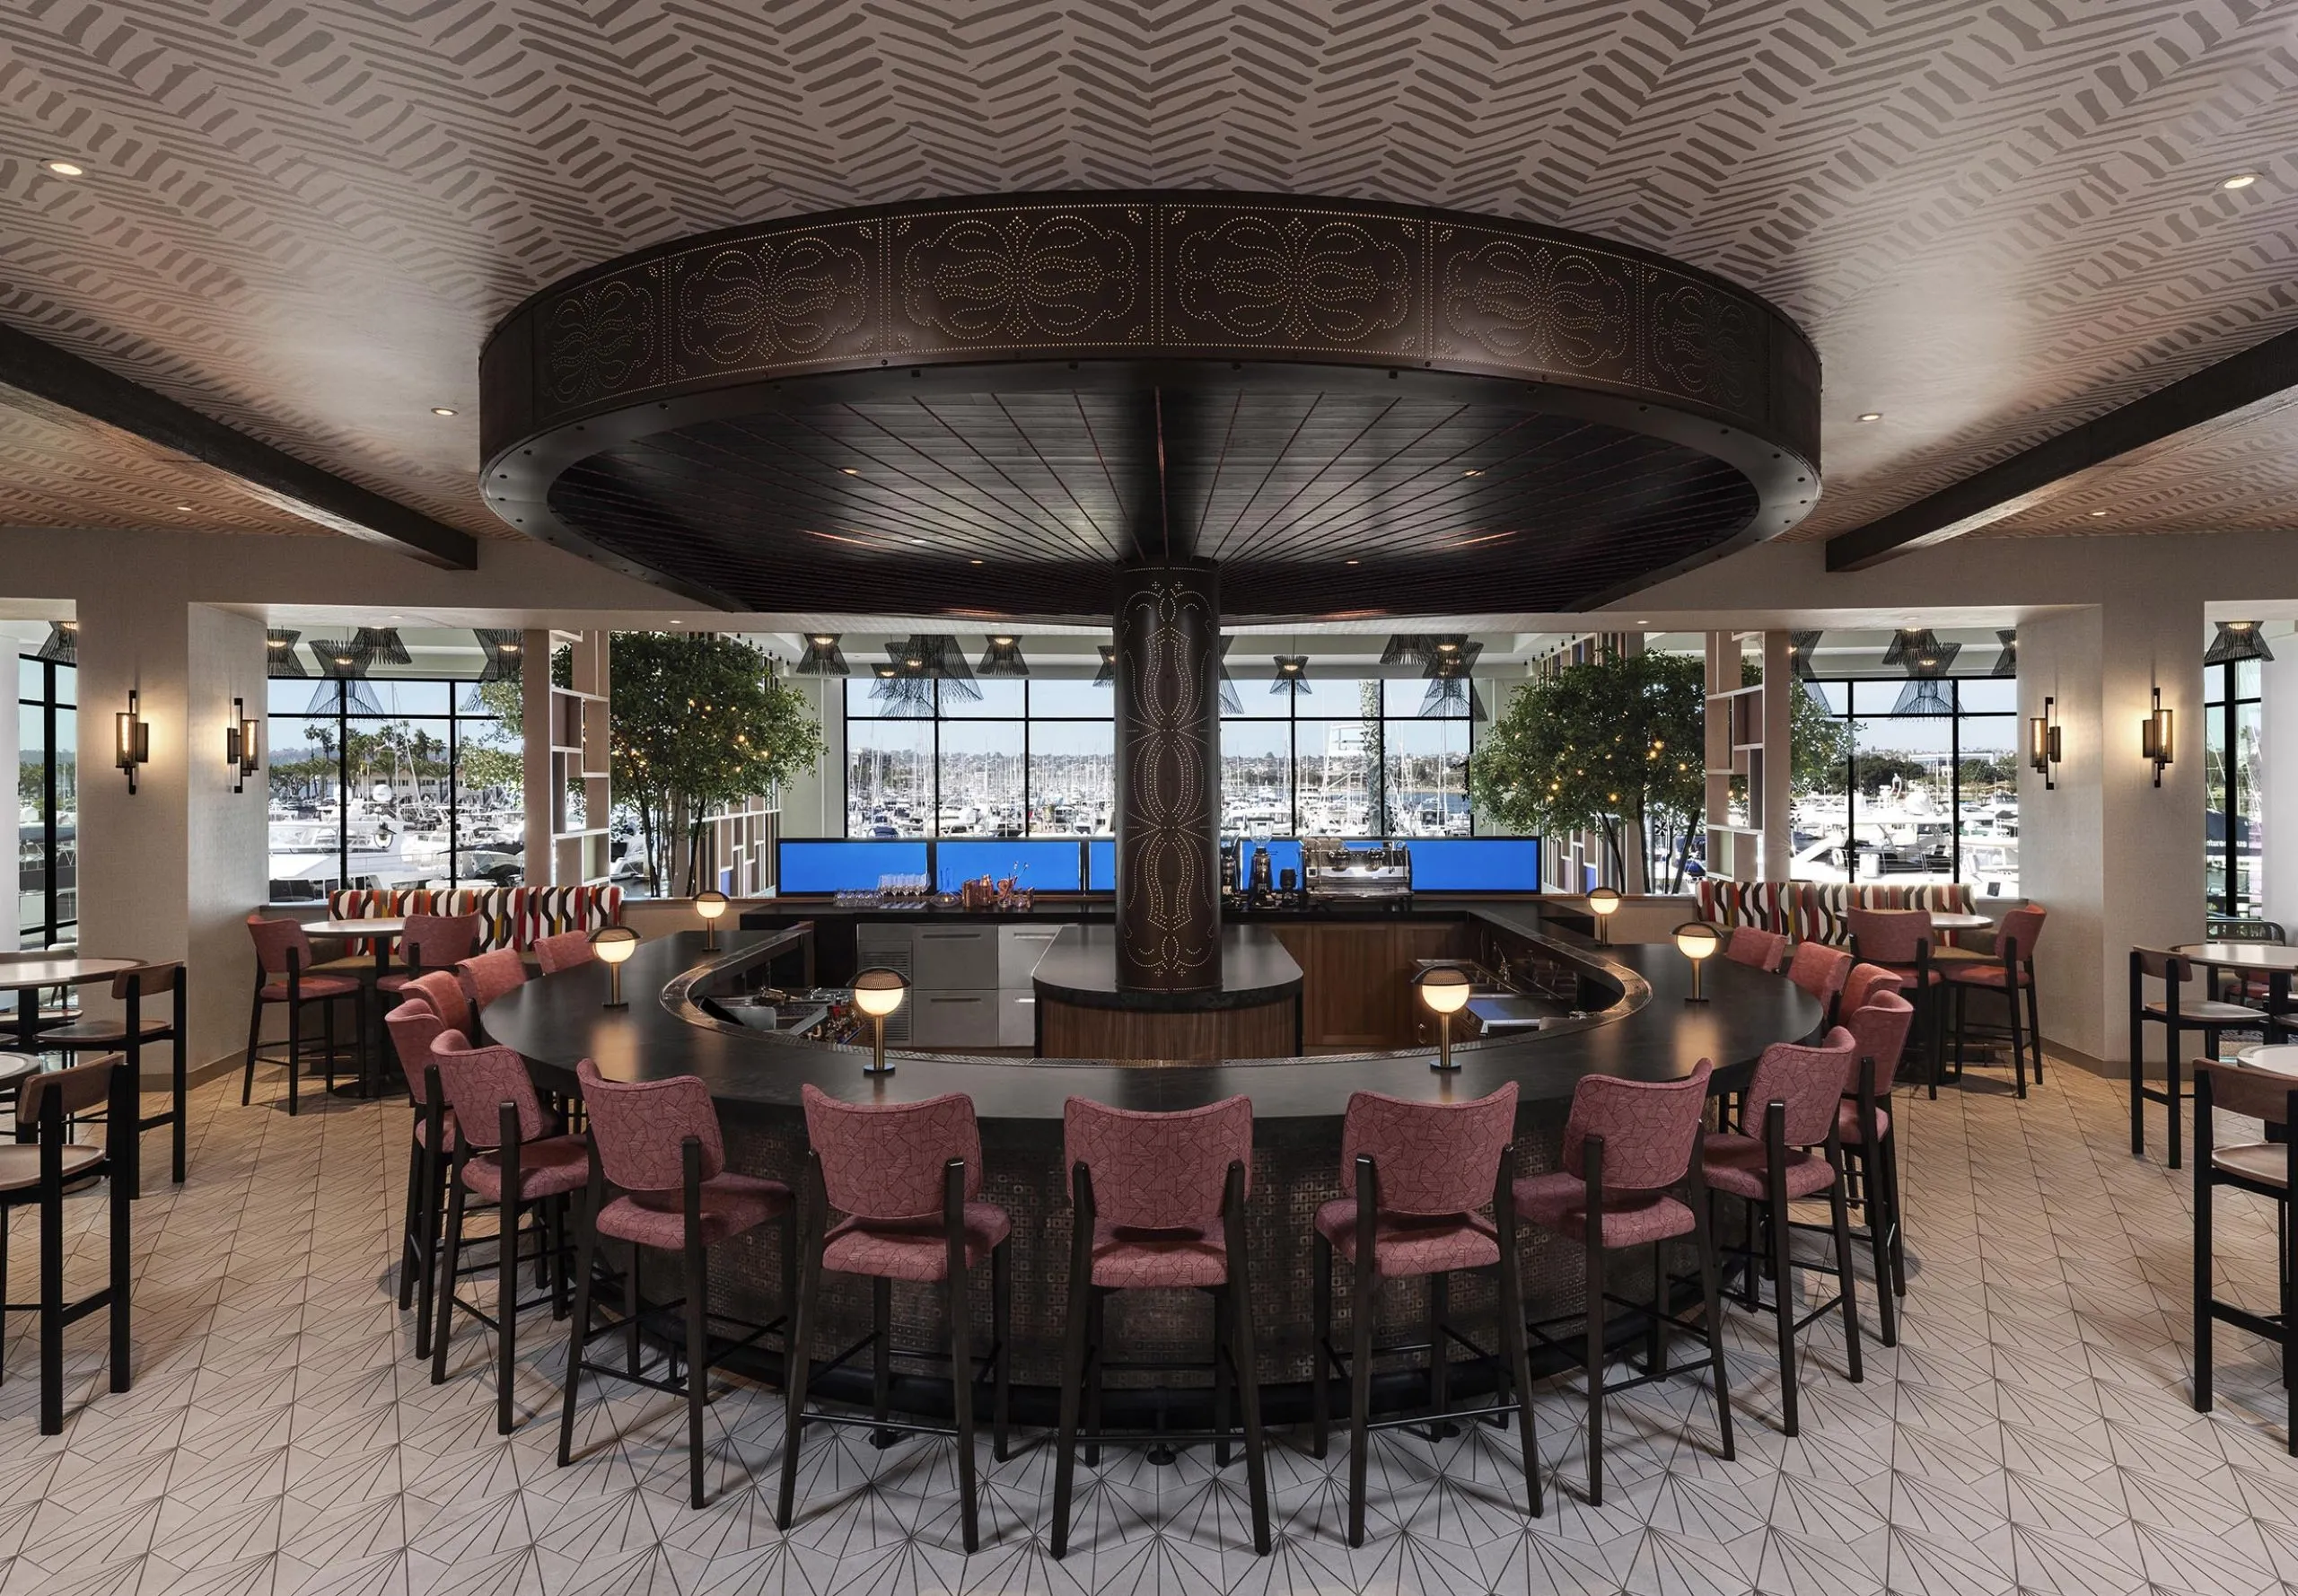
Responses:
[878,992]
[710,906]
[614,945]
[1445,988]
[1698,941]
[1604,903]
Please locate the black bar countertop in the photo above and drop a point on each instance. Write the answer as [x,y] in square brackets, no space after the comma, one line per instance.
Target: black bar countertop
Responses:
[1081,969]
[1647,1032]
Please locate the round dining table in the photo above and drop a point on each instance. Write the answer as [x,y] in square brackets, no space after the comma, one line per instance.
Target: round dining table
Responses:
[29,976]
[383,930]
[1950,920]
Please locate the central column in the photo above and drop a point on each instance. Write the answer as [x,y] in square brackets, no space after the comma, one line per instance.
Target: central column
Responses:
[1168,680]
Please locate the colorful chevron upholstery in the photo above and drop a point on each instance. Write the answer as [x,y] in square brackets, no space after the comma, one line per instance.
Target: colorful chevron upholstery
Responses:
[508,916]
[1814,911]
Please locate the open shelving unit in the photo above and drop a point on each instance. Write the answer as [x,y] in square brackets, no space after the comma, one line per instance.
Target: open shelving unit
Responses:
[1741,801]
[569,793]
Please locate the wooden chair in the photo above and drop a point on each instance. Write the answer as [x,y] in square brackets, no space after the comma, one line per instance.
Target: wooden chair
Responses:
[2176,1013]
[128,1033]
[2267,1170]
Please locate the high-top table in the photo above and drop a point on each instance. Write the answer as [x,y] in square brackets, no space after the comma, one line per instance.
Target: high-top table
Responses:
[29,978]
[2270,960]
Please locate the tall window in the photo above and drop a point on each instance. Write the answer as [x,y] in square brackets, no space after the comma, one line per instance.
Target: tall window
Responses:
[395,784]
[1360,757]
[47,800]
[1923,794]
[2230,720]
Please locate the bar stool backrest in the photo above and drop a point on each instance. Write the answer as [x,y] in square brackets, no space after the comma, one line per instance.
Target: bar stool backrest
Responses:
[274,940]
[1888,935]
[415,1026]
[478,1081]
[2019,930]
[1648,1127]
[2262,1094]
[1432,1158]
[1879,1025]
[1755,947]
[438,941]
[1818,969]
[444,992]
[885,1162]
[563,951]
[81,1089]
[640,1128]
[1807,1082]
[1863,982]
[1158,1171]
[491,975]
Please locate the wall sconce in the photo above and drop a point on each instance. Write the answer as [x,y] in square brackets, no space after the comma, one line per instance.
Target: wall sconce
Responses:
[2043,752]
[240,745]
[1604,903]
[1445,988]
[131,739]
[2154,736]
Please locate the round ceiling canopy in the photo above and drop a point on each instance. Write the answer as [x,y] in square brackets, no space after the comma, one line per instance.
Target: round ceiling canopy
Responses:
[978,407]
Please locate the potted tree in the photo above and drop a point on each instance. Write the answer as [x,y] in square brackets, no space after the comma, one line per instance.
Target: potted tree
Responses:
[699,720]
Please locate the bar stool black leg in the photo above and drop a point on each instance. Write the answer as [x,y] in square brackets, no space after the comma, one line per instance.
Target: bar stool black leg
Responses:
[1320,1341]
[1001,1330]
[1593,1247]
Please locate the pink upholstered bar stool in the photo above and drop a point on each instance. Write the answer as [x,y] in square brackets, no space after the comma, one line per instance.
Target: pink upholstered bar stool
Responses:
[1755,948]
[429,942]
[1798,1091]
[1821,971]
[283,962]
[415,1026]
[1157,1203]
[2012,973]
[659,1144]
[442,989]
[1863,983]
[1415,1177]
[1900,940]
[1629,1148]
[907,1176]
[507,1153]
[565,950]
[1871,1151]
[489,975]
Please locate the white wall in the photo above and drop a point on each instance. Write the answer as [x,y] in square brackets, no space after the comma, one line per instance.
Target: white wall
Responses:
[813,803]
[227,865]
[2278,773]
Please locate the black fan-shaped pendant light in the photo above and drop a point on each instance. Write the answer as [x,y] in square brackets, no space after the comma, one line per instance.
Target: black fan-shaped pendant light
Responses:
[279,653]
[381,646]
[63,644]
[823,657]
[1291,675]
[1107,675]
[504,648]
[1800,645]
[2237,640]
[1003,657]
[2006,664]
[1927,662]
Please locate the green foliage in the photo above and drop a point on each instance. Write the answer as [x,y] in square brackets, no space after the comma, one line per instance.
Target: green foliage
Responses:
[1818,741]
[483,765]
[698,720]
[1597,747]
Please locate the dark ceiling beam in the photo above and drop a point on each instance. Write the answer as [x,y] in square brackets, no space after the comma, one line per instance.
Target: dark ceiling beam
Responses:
[2217,396]
[257,470]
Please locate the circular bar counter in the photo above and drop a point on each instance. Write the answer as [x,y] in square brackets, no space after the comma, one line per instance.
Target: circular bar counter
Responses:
[1631,1019]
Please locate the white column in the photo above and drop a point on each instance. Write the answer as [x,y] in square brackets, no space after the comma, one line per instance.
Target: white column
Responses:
[170,871]
[2117,860]
[1779,769]
[2277,800]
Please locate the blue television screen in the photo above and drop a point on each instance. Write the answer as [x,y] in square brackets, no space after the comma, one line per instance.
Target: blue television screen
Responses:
[1101,865]
[1476,864]
[1038,866]
[831,864]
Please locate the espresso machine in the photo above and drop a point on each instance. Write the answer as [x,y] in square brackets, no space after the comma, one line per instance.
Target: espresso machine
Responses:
[1332,872]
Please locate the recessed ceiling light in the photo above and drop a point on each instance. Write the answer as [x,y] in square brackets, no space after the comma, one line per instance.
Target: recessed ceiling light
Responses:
[849,470]
[1872,416]
[973,562]
[1471,473]
[441,410]
[917,539]
[2098,511]
[63,169]
[2241,180]
[183,506]
[1349,561]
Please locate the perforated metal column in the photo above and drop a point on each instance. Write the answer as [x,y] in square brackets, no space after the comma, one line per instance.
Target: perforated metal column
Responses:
[1168,777]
